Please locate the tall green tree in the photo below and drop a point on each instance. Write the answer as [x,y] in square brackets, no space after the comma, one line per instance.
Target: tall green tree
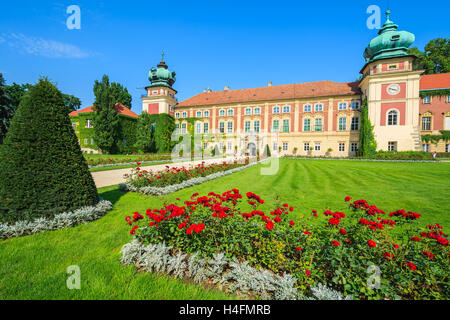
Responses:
[435,58]
[144,135]
[121,95]
[42,169]
[367,143]
[6,109]
[71,102]
[106,119]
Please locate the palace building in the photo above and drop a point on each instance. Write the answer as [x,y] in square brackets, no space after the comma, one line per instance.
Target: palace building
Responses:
[318,118]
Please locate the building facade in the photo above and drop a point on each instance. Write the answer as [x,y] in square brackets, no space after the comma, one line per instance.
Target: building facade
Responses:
[318,118]
[84,129]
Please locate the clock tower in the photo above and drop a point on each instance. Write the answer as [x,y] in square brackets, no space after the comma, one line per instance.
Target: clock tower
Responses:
[391,86]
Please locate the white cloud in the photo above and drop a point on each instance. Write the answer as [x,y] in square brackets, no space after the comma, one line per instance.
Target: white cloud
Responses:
[43,47]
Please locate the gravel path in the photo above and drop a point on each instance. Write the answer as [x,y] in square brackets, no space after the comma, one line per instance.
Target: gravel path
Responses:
[113,177]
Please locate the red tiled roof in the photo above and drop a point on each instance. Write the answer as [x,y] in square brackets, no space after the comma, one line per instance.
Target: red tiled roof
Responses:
[435,81]
[120,108]
[280,92]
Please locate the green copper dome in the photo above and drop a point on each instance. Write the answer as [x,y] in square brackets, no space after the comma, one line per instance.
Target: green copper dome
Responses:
[389,42]
[161,76]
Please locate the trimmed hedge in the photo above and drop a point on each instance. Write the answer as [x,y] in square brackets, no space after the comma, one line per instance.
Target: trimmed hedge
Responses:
[42,169]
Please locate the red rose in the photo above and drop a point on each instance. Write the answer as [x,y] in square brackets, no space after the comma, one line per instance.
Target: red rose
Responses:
[343,231]
[299,248]
[269,226]
[347,199]
[411,265]
[292,223]
[335,243]
[307,272]
[348,241]
[291,208]
[371,243]
[428,254]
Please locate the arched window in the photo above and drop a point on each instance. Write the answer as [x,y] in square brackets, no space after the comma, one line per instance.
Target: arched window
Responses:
[392,118]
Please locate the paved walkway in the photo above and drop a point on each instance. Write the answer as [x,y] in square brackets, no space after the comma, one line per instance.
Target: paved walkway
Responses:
[113,177]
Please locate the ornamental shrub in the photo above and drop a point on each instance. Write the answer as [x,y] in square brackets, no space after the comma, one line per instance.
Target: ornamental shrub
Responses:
[42,169]
[334,248]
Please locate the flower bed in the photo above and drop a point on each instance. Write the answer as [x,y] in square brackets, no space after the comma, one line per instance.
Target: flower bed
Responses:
[336,250]
[138,181]
[102,161]
[59,221]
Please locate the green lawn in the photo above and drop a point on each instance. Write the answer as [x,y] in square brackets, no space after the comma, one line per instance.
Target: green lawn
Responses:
[34,267]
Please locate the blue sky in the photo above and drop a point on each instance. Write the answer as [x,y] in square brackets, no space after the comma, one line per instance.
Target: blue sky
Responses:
[242,44]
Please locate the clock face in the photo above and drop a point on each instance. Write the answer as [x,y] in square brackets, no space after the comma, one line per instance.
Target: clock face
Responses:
[393,89]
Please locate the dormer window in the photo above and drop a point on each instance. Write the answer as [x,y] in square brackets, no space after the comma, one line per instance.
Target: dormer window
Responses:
[392,67]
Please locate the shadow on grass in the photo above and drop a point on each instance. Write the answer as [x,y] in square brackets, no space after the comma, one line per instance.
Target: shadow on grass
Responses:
[112,194]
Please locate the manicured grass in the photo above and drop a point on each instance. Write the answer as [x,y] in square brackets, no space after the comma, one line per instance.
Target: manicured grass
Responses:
[34,267]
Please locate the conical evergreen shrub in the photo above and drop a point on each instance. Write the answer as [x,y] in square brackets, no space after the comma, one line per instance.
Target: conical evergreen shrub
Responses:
[42,169]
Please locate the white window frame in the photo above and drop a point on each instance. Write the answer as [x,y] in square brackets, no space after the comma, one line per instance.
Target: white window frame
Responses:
[397,116]
[198,114]
[341,147]
[427,99]
[184,114]
[426,147]
[273,125]
[205,127]
[222,113]
[257,111]
[230,112]
[306,146]
[309,125]
[355,105]
[177,115]
[343,106]
[285,146]
[342,125]
[230,127]
[247,126]
[221,127]
[318,107]
[428,123]
[89,123]
[316,125]
[317,146]
[354,146]
[307,108]
[256,126]
[447,147]
[198,127]
[353,123]
[392,146]
[286,109]
[276,109]
[248,111]
[206,114]
[183,128]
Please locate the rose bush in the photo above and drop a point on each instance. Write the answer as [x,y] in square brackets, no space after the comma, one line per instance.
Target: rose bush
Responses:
[337,249]
[175,175]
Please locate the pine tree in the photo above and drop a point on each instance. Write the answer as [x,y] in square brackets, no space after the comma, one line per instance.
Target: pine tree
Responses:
[6,109]
[42,169]
[106,120]
[367,143]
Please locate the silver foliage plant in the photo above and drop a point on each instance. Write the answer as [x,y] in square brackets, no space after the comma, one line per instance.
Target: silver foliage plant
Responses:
[59,221]
[125,163]
[156,191]
[232,274]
